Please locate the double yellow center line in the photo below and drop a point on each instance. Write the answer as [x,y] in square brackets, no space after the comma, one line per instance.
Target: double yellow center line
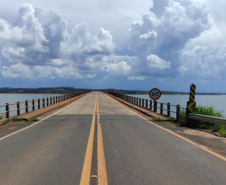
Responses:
[101,166]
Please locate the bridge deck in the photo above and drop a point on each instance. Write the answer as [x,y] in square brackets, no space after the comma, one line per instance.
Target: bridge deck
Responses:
[96,140]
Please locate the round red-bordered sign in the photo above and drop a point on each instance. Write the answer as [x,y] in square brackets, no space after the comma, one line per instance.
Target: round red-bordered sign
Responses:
[155,94]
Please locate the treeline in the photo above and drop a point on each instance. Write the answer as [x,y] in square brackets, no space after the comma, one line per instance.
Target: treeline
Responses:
[66,90]
[163,92]
[49,90]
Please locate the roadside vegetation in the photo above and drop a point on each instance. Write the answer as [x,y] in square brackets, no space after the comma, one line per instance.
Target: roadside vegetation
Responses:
[209,111]
[23,120]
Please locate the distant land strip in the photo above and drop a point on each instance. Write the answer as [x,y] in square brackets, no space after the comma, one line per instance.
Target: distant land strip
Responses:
[66,90]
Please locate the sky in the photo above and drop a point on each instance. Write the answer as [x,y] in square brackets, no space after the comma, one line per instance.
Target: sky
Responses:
[168,44]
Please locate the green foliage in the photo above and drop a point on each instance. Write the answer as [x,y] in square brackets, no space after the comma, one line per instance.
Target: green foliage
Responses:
[182,116]
[33,120]
[23,120]
[222,130]
[209,111]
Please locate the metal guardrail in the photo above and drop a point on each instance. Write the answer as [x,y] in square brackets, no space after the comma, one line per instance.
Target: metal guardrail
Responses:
[210,119]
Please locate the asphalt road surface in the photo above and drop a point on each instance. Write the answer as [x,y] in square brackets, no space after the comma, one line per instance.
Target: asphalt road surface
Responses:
[96,140]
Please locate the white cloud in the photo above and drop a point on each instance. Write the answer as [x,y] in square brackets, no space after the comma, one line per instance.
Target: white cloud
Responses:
[154,62]
[17,71]
[176,37]
[136,78]
[161,36]
[118,68]
[36,42]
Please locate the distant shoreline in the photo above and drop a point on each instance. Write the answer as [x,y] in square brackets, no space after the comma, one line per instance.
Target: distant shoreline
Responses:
[32,93]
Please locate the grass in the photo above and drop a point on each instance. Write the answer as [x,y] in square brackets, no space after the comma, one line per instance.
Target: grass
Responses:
[209,111]
[23,120]
[204,110]
[182,115]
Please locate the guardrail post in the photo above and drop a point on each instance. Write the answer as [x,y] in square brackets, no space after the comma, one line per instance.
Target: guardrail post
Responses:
[143,102]
[18,108]
[39,103]
[168,109]
[161,108]
[51,101]
[47,102]
[178,113]
[33,104]
[26,106]
[7,110]
[155,106]
[146,103]
[43,102]
[150,105]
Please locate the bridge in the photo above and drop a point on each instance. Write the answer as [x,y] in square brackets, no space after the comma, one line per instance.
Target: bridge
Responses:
[96,140]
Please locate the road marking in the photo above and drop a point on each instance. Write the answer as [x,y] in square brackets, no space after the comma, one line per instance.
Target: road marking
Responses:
[85,178]
[102,172]
[2,138]
[94,176]
[177,135]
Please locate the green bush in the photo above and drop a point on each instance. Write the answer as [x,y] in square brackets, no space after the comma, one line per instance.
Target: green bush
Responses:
[182,116]
[209,111]
[222,130]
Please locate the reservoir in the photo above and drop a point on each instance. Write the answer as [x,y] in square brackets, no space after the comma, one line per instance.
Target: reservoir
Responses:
[217,101]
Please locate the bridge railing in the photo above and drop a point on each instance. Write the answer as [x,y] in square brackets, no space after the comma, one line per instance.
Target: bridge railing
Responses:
[22,107]
[165,109]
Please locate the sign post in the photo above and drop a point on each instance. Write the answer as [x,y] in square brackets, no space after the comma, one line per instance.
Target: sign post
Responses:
[155,94]
[190,104]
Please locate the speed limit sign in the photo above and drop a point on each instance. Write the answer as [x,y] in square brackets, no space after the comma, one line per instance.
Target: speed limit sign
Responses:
[155,94]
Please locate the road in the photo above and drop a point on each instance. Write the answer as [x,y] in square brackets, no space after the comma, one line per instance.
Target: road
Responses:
[96,140]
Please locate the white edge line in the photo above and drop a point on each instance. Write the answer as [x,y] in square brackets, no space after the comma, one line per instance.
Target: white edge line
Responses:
[177,135]
[4,137]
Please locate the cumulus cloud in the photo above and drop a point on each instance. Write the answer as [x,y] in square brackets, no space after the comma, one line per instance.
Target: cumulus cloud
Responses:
[42,45]
[176,37]
[161,35]
[205,56]
[154,62]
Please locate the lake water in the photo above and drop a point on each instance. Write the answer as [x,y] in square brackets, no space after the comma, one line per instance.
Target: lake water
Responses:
[13,98]
[218,101]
